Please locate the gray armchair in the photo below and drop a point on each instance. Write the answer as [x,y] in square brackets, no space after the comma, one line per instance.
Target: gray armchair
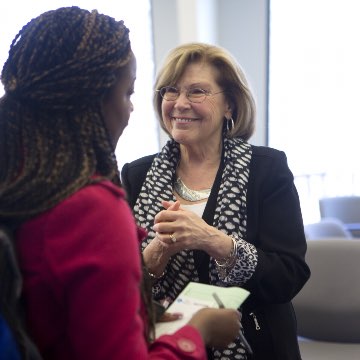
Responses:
[326,228]
[328,307]
[344,208]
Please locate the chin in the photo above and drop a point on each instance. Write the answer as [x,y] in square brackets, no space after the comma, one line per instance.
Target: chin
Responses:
[115,140]
[183,140]
[181,136]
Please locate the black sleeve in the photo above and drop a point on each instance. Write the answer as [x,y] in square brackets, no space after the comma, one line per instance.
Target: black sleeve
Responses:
[126,184]
[133,175]
[276,228]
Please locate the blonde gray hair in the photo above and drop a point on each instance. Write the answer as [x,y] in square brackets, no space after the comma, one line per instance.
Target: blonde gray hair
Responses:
[232,80]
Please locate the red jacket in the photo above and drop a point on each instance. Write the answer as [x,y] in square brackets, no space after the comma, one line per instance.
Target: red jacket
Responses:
[81,267]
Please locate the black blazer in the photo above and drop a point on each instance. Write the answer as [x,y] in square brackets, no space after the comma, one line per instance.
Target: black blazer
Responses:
[275,227]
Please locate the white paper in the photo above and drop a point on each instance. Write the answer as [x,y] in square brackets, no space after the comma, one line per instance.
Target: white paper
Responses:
[196,296]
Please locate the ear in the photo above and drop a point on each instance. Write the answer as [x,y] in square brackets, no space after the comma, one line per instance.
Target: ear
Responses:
[228,111]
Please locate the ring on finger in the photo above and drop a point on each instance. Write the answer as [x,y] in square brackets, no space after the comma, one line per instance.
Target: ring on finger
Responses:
[173,238]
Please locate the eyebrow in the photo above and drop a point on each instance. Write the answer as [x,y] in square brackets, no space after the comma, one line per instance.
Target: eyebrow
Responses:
[195,85]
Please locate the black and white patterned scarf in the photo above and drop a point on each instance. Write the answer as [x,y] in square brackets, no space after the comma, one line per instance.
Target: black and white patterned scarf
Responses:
[229,217]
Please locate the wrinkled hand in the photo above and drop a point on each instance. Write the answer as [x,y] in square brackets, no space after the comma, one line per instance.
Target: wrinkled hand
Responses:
[188,229]
[218,327]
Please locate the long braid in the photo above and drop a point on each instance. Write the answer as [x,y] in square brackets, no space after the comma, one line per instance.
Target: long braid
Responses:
[52,135]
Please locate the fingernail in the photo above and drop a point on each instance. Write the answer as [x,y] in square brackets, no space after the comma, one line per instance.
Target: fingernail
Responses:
[178,315]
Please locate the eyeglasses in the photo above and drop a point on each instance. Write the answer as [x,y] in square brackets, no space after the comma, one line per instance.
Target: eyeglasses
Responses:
[195,95]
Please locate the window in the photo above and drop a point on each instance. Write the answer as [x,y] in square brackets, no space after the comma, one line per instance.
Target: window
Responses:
[141,136]
[314,89]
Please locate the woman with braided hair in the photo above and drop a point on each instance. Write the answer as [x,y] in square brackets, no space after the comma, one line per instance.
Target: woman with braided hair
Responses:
[68,83]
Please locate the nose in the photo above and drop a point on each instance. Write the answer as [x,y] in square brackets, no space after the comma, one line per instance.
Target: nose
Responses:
[182,101]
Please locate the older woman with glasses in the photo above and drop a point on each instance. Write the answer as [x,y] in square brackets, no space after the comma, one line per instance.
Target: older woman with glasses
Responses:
[217,209]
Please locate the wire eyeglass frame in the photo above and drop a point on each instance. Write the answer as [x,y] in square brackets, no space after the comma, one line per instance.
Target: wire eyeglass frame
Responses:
[194,95]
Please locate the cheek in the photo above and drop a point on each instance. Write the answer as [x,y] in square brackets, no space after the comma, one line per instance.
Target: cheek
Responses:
[123,109]
[212,107]
[215,112]
[116,114]
[166,109]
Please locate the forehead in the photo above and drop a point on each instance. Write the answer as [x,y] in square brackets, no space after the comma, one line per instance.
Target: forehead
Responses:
[199,73]
[129,70]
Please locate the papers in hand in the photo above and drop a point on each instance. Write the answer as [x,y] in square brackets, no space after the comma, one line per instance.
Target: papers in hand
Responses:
[196,296]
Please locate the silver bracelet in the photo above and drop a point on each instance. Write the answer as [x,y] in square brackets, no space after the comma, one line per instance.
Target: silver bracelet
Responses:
[155,277]
[227,263]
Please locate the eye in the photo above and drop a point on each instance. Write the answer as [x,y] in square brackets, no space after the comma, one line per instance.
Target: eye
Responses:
[196,94]
[169,93]
[171,90]
[197,91]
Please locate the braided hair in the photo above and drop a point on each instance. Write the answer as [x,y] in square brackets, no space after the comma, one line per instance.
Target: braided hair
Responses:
[53,137]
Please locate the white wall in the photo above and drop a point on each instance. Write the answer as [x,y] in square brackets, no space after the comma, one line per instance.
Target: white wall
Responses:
[241,26]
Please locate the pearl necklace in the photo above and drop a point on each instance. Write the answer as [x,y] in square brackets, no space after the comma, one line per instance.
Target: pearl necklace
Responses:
[189,194]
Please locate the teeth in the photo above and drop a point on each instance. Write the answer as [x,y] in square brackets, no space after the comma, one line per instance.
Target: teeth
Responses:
[182,120]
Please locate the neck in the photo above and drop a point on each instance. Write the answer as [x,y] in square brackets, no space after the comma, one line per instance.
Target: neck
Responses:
[198,169]
[193,158]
